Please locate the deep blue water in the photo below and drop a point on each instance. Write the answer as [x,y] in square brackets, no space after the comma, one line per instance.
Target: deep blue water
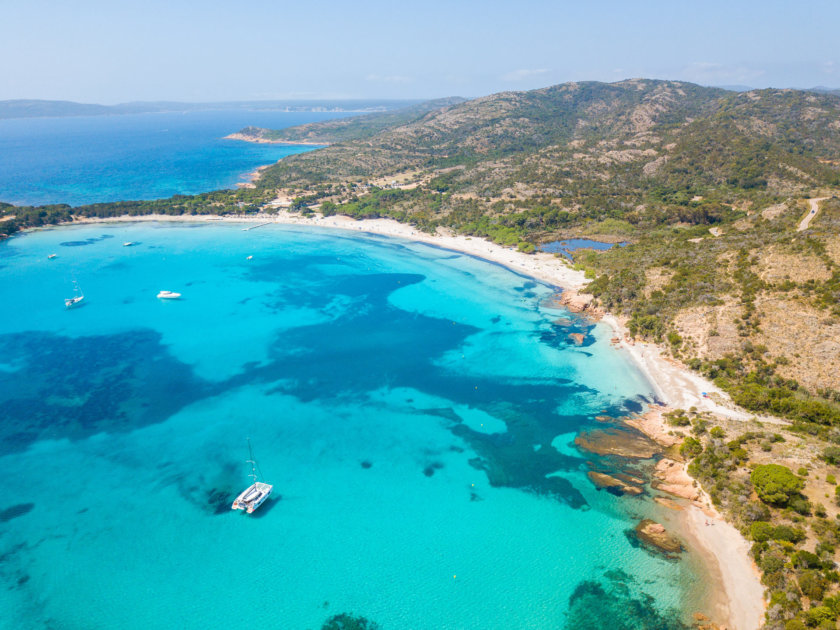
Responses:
[568,246]
[80,160]
[415,409]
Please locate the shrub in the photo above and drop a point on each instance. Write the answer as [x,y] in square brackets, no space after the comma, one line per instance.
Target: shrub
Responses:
[819,614]
[832,455]
[691,447]
[801,505]
[761,531]
[717,432]
[775,484]
[787,533]
[772,562]
[831,479]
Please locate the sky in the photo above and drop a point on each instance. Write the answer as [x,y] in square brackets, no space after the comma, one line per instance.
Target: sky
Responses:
[107,51]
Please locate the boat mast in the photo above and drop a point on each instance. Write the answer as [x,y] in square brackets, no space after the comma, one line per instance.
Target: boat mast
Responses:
[252,462]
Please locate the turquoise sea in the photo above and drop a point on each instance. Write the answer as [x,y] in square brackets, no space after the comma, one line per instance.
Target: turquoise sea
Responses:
[90,159]
[415,409]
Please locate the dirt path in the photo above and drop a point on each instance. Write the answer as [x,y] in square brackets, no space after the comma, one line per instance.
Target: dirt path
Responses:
[812,212]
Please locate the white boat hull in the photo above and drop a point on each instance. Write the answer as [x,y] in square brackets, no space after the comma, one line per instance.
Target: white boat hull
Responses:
[252,497]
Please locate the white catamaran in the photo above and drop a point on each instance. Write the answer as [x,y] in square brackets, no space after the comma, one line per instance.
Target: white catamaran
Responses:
[78,296]
[254,495]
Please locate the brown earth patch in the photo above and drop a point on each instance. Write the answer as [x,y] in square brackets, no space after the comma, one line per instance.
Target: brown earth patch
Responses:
[775,266]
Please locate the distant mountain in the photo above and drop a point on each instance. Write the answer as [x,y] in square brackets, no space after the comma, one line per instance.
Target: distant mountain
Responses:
[825,90]
[33,108]
[25,108]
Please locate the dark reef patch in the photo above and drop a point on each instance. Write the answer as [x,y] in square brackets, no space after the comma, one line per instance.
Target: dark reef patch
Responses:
[617,603]
[88,241]
[15,511]
[349,621]
[88,385]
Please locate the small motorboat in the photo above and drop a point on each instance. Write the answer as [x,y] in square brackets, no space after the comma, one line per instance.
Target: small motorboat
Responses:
[249,258]
[51,256]
[128,244]
[168,295]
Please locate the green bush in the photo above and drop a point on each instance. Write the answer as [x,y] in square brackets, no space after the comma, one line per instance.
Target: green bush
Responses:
[691,447]
[772,562]
[819,614]
[832,455]
[717,432]
[775,484]
[761,531]
[788,533]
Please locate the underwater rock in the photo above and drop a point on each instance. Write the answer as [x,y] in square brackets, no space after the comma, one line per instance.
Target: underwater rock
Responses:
[671,505]
[346,621]
[611,484]
[619,604]
[577,338]
[621,443]
[16,510]
[654,535]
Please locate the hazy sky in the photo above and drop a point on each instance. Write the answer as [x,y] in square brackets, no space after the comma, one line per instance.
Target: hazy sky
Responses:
[109,51]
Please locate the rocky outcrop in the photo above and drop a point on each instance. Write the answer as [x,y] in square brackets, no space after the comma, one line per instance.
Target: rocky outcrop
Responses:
[611,484]
[619,443]
[578,302]
[671,477]
[654,535]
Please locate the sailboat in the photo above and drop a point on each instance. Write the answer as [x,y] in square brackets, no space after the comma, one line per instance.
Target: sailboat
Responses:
[78,296]
[254,495]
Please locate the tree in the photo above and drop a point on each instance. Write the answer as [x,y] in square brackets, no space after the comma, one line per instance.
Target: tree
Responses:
[775,484]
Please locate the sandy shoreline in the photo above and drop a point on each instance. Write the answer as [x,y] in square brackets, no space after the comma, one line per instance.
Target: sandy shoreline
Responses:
[723,547]
[243,138]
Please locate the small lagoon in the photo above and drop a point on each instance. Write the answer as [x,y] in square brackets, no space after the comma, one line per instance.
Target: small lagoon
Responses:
[569,246]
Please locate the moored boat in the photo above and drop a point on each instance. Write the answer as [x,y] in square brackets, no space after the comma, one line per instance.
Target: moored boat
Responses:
[77,297]
[168,295]
[254,495]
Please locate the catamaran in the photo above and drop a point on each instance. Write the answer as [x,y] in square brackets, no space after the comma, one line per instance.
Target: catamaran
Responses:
[254,495]
[77,297]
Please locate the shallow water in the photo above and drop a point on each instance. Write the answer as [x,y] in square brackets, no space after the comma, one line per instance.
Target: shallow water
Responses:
[414,408]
